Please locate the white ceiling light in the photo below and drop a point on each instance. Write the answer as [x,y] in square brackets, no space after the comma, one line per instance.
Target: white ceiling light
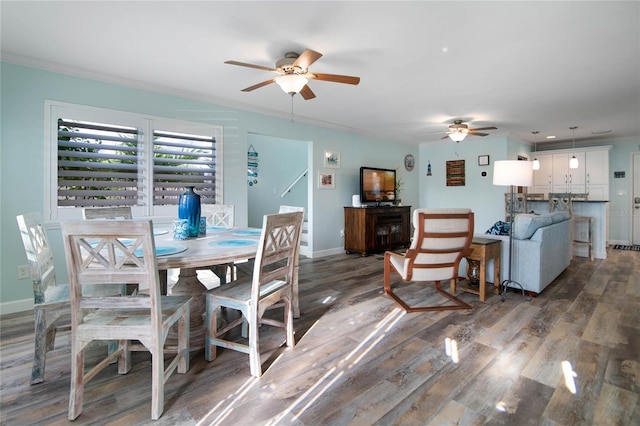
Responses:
[536,162]
[458,135]
[573,163]
[291,83]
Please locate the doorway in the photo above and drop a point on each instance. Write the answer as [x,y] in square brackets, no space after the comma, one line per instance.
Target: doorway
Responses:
[280,180]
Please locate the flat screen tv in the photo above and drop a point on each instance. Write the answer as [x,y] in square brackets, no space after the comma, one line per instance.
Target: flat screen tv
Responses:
[377,185]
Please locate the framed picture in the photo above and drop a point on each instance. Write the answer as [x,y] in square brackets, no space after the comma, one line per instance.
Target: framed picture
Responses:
[326,180]
[483,160]
[331,160]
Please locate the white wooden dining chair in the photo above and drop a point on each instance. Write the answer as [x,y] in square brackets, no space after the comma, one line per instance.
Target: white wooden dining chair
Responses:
[442,237]
[92,213]
[50,298]
[96,256]
[221,216]
[296,299]
[271,283]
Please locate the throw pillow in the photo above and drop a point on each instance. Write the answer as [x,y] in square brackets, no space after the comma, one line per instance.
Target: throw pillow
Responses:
[499,228]
[525,225]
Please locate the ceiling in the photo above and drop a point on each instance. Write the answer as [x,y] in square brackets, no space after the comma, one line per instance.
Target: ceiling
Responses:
[519,66]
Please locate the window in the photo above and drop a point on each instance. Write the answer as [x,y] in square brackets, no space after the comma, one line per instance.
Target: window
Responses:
[100,157]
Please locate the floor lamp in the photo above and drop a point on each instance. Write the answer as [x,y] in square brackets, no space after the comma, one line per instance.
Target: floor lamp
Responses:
[512,173]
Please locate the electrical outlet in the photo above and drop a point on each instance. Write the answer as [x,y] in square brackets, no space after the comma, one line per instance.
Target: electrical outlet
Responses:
[342,233]
[23,272]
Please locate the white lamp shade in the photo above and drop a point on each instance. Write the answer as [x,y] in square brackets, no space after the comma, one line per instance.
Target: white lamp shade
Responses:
[457,136]
[536,164]
[291,83]
[573,163]
[513,172]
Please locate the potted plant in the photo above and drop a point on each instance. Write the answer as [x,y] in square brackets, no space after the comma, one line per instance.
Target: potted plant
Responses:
[399,184]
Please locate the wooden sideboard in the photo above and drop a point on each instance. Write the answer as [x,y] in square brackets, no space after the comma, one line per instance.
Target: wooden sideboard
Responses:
[374,229]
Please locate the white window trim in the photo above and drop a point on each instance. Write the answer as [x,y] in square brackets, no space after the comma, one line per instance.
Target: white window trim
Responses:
[55,109]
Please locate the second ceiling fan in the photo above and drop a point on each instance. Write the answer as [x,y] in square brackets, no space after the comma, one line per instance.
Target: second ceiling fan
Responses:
[294,74]
[458,131]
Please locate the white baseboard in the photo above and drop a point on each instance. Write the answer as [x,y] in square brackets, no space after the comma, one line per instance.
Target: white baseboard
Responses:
[16,306]
[621,242]
[329,252]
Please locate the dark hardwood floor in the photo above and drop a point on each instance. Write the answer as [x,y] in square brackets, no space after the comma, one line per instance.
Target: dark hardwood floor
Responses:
[360,360]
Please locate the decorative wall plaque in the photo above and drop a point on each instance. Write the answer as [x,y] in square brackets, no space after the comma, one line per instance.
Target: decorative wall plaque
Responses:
[455,173]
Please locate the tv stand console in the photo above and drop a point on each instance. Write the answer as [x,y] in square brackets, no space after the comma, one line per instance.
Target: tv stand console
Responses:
[374,229]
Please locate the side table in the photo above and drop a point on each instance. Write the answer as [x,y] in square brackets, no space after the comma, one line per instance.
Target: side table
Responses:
[484,249]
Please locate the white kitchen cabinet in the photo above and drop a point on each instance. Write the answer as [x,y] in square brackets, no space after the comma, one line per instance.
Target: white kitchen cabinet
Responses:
[597,175]
[542,178]
[566,179]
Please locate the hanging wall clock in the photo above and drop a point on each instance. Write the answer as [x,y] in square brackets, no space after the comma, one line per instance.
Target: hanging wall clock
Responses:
[409,162]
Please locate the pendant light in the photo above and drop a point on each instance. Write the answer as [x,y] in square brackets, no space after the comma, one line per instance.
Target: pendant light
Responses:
[573,163]
[536,163]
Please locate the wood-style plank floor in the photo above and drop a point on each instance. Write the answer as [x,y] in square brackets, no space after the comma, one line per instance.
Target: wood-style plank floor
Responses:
[359,360]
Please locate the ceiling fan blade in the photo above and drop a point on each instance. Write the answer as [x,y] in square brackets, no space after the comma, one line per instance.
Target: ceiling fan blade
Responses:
[477,134]
[259,85]
[307,93]
[307,58]
[346,79]
[483,128]
[243,64]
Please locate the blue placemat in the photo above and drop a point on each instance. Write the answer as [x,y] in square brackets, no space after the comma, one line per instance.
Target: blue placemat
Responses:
[233,243]
[163,250]
[217,228]
[247,232]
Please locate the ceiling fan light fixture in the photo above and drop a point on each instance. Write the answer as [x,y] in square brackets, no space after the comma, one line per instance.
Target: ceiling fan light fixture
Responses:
[458,135]
[291,83]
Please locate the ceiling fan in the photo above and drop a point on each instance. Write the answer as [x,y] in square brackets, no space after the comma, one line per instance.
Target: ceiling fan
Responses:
[458,131]
[294,74]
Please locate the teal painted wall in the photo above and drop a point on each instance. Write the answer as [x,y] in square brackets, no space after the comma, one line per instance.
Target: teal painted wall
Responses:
[25,89]
[280,162]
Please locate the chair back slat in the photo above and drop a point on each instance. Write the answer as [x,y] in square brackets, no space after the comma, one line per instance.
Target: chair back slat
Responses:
[97,255]
[275,258]
[440,240]
[39,257]
[220,215]
[92,213]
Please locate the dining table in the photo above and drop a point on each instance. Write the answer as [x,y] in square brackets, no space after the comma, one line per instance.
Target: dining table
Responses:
[218,246]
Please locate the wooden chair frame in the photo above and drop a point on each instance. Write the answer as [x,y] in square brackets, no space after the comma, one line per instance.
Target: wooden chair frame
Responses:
[271,283]
[96,257]
[453,250]
[50,299]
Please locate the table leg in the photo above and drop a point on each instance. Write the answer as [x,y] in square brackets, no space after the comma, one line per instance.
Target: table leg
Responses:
[189,284]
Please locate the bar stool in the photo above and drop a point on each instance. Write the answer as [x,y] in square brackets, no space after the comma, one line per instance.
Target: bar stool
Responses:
[579,222]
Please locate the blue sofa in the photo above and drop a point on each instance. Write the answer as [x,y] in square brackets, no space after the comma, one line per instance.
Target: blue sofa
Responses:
[542,250]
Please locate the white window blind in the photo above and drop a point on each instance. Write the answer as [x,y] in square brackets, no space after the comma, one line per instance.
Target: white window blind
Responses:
[181,160]
[103,157]
[97,164]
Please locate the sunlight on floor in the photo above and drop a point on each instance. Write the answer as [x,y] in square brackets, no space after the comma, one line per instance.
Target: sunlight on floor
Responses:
[228,404]
[335,372]
[451,349]
[569,375]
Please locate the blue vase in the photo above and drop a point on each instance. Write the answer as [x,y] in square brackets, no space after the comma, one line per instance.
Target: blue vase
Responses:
[189,208]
